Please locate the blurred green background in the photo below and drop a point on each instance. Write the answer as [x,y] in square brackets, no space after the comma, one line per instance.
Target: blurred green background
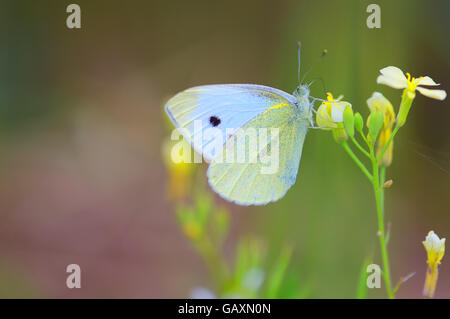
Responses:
[82,126]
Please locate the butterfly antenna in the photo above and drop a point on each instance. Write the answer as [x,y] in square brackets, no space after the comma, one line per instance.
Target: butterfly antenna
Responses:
[299,45]
[324,53]
[321,81]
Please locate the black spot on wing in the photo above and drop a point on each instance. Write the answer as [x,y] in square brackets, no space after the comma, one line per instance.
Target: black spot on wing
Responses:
[214,120]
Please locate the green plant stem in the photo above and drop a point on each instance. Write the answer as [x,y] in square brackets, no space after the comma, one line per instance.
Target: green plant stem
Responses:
[378,179]
[380,156]
[356,160]
[382,180]
[360,147]
[365,140]
[379,198]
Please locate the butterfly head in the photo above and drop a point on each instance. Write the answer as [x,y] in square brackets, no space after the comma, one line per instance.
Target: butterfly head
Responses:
[302,91]
[303,103]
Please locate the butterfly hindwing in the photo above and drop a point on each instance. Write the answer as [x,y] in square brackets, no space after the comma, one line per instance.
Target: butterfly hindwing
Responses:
[245,183]
[220,106]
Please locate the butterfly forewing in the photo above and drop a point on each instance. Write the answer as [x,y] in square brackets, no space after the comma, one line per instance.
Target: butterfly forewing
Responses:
[224,106]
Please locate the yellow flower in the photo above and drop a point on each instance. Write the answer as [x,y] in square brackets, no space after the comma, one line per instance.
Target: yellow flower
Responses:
[378,102]
[394,77]
[435,248]
[180,171]
[330,116]
[331,113]
[192,230]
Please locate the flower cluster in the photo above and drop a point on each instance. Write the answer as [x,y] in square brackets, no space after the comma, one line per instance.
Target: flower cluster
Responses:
[382,125]
[336,115]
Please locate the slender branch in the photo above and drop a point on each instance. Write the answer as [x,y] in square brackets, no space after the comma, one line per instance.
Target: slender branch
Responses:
[401,281]
[356,160]
[360,147]
[365,140]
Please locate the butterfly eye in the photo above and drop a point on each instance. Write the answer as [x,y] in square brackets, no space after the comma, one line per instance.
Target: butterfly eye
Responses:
[214,120]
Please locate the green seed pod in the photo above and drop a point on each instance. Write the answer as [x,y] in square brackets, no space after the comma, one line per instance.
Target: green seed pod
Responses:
[359,123]
[376,121]
[349,122]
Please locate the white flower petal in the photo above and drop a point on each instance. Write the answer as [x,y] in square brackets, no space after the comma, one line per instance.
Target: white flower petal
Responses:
[392,82]
[426,80]
[322,110]
[336,113]
[337,110]
[429,240]
[433,242]
[376,96]
[322,118]
[377,100]
[434,94]
[394,73]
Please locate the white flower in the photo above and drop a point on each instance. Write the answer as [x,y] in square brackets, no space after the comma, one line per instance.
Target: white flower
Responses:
[394,77]
[331,112]
[435,248]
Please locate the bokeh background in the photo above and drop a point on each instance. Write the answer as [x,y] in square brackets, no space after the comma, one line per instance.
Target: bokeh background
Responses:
[83,178]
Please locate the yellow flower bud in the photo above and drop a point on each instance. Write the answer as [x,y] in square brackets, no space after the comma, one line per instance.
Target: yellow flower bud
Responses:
[192,230]
[378,102]
[180,171]
[435,248]
[388,183]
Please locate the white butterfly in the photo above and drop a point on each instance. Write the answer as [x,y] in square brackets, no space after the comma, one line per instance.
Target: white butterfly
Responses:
[244,107]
